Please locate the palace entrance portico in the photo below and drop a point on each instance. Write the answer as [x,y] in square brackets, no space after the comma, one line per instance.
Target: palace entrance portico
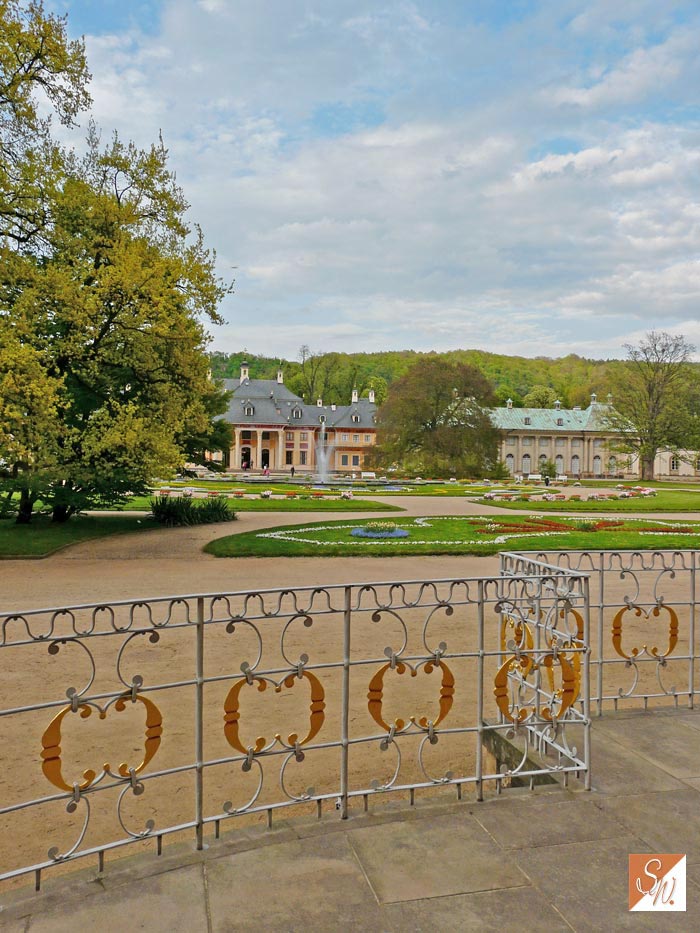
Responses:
[259,448]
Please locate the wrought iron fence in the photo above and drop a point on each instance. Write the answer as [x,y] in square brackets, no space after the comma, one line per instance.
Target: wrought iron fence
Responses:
[128,722]
[643,614]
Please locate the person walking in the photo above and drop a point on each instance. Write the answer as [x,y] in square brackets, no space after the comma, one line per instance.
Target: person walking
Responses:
[292,472]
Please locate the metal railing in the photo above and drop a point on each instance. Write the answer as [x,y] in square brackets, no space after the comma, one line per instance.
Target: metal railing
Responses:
[643,608]
[227,706]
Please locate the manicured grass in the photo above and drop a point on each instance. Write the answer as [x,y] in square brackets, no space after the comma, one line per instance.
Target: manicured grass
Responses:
[41,537]
[458,535]
[392,488]
[309,504]
[665,500]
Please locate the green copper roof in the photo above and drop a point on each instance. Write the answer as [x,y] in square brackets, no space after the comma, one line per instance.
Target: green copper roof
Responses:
[593,418]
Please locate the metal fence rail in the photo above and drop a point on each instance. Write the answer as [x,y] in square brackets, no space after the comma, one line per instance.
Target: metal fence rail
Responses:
[643,621]
[129,722]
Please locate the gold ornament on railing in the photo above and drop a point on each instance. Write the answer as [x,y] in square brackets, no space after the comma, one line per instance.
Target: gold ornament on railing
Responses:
[639,611]
[376,694]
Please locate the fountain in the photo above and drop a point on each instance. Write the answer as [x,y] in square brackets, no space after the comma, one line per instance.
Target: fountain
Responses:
[323,456]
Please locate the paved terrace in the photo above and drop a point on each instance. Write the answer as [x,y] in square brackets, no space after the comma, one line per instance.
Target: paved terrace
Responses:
[552,859]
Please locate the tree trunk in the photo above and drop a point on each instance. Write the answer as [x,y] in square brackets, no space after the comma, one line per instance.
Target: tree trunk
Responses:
[648,467]
[26,504]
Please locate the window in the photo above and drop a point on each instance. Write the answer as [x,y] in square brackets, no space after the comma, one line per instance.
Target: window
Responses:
[543,459]
[344,437]
[344,460]
[368,438]
[560,442]
[356,438]
[322,419]
[245,435]
[697,464]
[510,463]
[674,464]
[526,463]
[598,442]
[575,441]
[356,419]
[302,458]
[544,442]
[560,422]
[296,413]
[528,421]
[597,465]
[288,457]
[266,435]
[355,460]
[511,441]
[559,464]
[304,435]
[249,410]
[527,442]
[575,464]
[290,435]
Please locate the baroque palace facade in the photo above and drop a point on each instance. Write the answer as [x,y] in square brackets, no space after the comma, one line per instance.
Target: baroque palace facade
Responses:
[274,429]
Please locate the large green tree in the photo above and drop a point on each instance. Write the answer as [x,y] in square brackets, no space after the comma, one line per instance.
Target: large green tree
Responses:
[436,420]
[653,396]
[115,309]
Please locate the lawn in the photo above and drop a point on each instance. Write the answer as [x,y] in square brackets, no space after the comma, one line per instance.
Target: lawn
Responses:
[41,537]
[458,535]
[665,500]
[398,488]
[303,503]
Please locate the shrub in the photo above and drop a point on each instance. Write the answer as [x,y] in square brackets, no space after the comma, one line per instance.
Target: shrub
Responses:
[184,510]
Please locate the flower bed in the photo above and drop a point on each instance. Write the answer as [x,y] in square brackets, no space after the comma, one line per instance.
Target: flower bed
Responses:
[379,530]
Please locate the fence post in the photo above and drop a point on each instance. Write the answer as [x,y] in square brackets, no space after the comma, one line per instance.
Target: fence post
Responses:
[587,680]
[199,724]
[345,701]
[480,697]
[691,632]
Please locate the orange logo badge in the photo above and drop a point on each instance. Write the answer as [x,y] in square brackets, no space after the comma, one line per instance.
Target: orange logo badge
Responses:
[656,882]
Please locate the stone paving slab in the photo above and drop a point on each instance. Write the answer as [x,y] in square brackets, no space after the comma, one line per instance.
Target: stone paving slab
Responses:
[661,817]
[674,747]
[432,858]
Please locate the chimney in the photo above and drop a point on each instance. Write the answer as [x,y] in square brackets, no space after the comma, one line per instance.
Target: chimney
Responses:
[244,371]
[509,403]
[354,396]
[280,377]
[594,398]
[371,396]
[319,403]
[333,407]
[557,405]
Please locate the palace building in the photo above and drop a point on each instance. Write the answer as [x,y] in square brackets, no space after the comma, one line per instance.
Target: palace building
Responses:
[578,441]
[274,429]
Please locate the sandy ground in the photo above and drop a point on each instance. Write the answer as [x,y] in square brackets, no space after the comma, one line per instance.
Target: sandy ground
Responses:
[167,562]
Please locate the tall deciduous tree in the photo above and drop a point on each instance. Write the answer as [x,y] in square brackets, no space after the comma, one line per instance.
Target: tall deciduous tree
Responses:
[540,397]
[652,397]
[435,420]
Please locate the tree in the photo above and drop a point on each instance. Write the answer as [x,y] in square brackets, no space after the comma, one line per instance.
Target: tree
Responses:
[113,310]
[435,420]
[652,398]
[540,397]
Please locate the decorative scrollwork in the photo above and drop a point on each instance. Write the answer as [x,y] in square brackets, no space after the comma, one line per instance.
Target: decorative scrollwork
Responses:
[376,693]
[521,666]
[232,710]
[52,765]
[640,611]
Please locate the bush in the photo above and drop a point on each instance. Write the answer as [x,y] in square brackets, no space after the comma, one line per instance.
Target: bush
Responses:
[183,510]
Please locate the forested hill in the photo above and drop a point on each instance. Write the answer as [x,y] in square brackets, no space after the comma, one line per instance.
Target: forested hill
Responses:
[332,376]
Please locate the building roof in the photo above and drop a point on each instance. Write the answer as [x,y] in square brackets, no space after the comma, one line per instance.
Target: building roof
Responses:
[274,404]
[593,418]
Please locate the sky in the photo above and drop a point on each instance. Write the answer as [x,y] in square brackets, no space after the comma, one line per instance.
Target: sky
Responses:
[519,176]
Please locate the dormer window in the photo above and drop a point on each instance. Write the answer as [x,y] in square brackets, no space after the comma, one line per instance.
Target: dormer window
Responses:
[528,421]
[356,419]
[296,413]
[249,410]
[322,419]
[560,422]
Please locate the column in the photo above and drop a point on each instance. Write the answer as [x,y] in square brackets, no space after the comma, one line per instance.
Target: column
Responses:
[258,453]
[281,447]
[236,465]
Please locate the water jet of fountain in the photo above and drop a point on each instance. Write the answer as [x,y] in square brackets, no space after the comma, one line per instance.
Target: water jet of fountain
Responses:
[323,455]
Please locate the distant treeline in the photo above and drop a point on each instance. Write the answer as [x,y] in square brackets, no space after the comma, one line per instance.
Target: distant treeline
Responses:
[332,376]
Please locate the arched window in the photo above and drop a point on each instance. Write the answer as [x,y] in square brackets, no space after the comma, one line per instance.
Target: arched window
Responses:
[296,413]
[575,464]
[597,465]
[526,463]
[249,410]
[543,459]
[559,464]
[510,463]
[612,464]
[356,418]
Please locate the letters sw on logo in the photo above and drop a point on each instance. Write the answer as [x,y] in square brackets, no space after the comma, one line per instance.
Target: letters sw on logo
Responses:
[656,882]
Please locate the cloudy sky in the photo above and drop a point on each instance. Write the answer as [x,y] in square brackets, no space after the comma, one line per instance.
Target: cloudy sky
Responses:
[514,175]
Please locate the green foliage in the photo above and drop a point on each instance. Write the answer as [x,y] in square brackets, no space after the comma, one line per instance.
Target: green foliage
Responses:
[435,419]
[185,510]
[540,397]
[548,469]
